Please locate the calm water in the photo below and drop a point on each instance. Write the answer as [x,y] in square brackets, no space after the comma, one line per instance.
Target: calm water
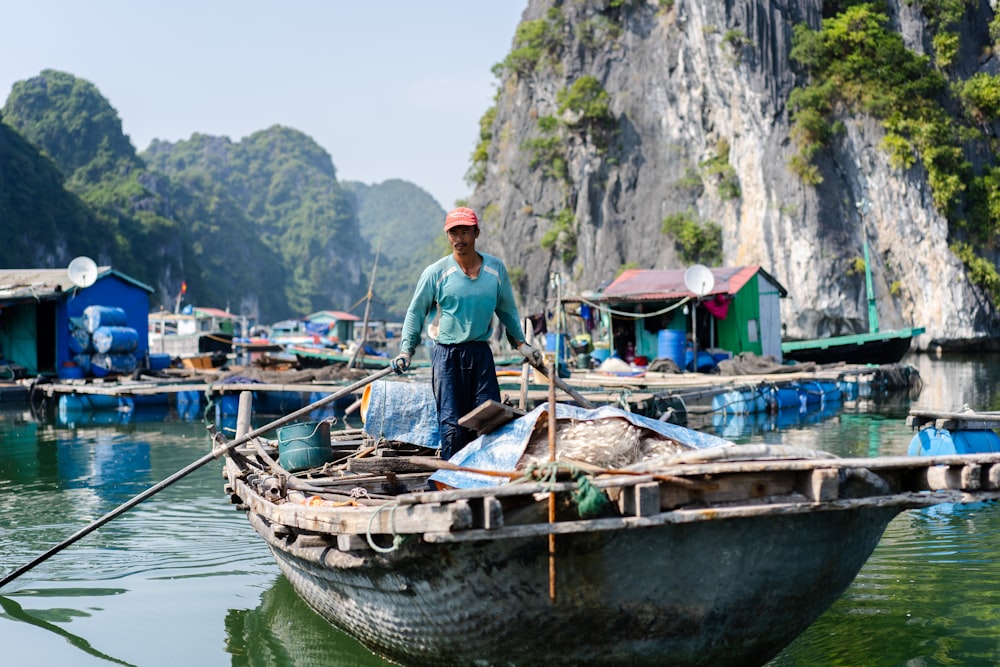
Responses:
[182,579]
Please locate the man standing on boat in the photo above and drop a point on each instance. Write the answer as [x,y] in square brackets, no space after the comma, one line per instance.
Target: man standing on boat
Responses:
[466,288]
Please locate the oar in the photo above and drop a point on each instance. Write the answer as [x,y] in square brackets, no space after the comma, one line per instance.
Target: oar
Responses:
[559,382]
[180,474]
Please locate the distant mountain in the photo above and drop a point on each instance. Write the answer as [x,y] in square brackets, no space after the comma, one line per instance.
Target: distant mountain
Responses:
[260,226]
[286,186]
[43,224]
[405,223]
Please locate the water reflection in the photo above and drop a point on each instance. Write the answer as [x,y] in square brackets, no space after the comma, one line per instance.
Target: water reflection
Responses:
[284,631]
[186,561]
[14,611]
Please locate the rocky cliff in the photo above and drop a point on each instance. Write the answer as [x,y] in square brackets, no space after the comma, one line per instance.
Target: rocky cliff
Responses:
[697,125]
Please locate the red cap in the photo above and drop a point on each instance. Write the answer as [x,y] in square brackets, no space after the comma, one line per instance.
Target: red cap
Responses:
[461,216]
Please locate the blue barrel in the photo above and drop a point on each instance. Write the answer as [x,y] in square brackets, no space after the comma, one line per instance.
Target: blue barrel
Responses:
[942,442]
[739,402]
[553,341]
[157,361]
[782,398]
[79,341]
[670,345]
[115,339]
[83,361]
[103,316]
[706,362]
[102,364]
[304,445]
[70,371]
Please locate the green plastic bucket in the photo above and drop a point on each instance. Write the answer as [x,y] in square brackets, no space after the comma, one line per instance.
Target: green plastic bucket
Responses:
[304,445]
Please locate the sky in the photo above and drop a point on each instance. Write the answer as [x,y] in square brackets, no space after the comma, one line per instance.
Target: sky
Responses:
[389,88]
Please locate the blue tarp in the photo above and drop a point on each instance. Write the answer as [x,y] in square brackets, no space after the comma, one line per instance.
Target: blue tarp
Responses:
[402,412]
[503,448]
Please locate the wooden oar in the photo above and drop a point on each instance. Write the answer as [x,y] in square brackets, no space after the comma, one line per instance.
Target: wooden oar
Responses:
[180,474]
[562,384]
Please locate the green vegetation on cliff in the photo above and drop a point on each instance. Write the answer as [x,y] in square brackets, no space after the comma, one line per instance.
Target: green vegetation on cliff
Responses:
[856,62]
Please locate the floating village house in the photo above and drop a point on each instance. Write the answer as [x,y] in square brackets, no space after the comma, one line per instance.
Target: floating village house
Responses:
[648,313]
[336,325]
[39,308]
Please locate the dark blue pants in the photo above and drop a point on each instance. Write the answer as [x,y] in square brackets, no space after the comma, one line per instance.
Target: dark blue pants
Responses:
[463,377]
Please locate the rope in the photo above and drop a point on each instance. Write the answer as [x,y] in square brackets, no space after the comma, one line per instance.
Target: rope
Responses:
[636,316]
[590,501]
[397,540]
[623,399]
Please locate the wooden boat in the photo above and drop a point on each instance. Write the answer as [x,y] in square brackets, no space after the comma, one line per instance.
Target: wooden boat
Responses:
[717,556]
[312,356]
[875,347]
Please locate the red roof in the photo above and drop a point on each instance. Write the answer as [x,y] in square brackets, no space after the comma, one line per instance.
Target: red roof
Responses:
[661,284]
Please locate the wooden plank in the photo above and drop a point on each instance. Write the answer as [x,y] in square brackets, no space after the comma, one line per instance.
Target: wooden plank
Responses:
[992,477]
[964,477]
[489,416]
[640,499]
[380,465]
[820,485]
[388,518]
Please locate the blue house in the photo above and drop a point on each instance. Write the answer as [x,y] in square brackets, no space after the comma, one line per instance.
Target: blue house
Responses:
[39,306]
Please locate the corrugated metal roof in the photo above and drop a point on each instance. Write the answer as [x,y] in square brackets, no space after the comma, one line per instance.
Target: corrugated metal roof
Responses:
[38,284]
[217,313]
[662,284]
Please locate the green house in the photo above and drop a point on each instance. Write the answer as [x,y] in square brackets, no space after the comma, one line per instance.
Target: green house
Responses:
[652,313]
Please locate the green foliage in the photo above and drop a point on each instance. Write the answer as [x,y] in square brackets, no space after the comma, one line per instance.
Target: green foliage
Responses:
[945,46]
[626,267]
[480,156]
[856,62]
[696,240]
[718,167]
[980,97]
[587,100]
[691,180]
[561,237]
[69,120]
[535,42]
[41,222]
[981,271]
[549,153]
[856,266]
[736,40]
[597,31]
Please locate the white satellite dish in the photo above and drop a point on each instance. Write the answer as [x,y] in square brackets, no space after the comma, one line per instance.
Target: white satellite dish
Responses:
[82,271]
[699,279]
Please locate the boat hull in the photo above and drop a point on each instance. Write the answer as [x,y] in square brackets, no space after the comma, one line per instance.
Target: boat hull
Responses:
[876,348]
[732,591]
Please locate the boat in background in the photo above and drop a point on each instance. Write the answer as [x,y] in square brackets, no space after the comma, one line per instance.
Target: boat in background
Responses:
[873,347]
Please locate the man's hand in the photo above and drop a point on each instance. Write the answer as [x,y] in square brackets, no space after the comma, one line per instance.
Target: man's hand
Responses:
[401,362]
[533,355]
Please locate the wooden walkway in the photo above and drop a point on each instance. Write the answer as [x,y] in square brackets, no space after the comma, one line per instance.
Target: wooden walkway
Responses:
[695,390]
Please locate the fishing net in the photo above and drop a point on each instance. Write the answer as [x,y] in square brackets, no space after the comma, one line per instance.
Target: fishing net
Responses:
[606,443]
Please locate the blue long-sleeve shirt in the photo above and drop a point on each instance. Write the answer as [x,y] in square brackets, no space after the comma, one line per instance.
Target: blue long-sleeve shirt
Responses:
[466,305]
